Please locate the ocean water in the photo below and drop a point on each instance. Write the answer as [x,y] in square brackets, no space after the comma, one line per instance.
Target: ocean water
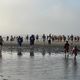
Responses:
[41,65]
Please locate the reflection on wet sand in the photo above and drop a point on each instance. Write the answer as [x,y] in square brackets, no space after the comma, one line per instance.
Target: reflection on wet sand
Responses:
[0,51]
[32,65]
[75,68]
[70,68]
[31,51]
[49,51]
[66,67]
[19,52]
[43,51]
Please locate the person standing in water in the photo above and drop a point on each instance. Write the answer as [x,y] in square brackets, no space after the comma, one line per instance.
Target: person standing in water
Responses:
[75,51]
[66,47]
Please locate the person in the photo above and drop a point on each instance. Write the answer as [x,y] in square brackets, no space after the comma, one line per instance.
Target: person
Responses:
[32,39]
[11,39]
[7,38]
[66,47]
[44,38]
[20,40]
[27,37]
[72,37]
[1,44]
[1,41]
[49,40]
[37,37]
[74,51]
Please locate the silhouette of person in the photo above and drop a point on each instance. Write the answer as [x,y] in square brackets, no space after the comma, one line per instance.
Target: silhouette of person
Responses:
[66,47]
[32,39]
[1,41]
[27,37]
[64,38]
[11,39]
[72,37]
[7,38]
[20,40]
[44,37]
[49,40]
[37,37]
[1,44]
[75,51]
[52,38]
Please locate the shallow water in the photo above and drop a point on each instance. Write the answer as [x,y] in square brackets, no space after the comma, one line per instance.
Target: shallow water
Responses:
[41,66]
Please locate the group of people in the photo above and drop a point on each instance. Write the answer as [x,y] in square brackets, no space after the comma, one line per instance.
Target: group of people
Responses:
[20,40]
[49,38]
[74,50]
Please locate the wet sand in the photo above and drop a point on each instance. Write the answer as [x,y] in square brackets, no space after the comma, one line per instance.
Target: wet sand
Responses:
[52,66]
[47,62]
[40,43]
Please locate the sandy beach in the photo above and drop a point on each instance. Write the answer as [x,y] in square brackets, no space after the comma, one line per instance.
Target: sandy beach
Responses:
[39,44]
[38,67]
[47,63]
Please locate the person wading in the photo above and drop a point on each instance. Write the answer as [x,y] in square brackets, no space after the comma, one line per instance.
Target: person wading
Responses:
[66,48]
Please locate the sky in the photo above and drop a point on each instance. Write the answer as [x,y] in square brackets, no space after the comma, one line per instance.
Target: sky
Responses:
[40,16]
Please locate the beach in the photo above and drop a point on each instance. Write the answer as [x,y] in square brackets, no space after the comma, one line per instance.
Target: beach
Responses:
[39,39]
[40,43]
[42,66]
[41,61]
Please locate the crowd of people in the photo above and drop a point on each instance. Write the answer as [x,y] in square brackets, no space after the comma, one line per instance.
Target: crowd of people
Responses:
[32,38]
[49,38]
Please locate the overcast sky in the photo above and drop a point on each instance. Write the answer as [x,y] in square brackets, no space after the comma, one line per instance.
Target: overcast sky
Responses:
[39,16]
